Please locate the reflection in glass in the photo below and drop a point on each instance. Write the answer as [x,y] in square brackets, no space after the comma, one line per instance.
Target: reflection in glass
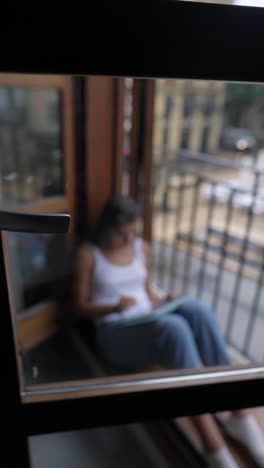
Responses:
[38,267]
[135,445]
[30,144]
[39,273]
[113,447]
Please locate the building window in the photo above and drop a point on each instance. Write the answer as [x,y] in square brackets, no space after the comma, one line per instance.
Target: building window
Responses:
[189,105]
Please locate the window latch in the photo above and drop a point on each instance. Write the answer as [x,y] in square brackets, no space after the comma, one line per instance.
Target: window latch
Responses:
[31,222]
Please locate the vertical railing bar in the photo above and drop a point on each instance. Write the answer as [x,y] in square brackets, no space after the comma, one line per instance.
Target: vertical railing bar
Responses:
[255,306]
[189,250]
[162,245]
[165,279]
[154,261]
[178,219]
[203,259]
[223,252]
[243,251]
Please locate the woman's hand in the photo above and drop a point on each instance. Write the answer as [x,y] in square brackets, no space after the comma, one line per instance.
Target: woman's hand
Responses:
[173,296]
[125,303]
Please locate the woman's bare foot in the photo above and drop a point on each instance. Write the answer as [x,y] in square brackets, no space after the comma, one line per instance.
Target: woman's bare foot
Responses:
[217,454]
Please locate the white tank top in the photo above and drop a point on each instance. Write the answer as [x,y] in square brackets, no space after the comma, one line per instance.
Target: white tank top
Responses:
[110,282]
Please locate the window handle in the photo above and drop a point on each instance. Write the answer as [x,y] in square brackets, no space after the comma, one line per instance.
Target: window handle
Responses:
[31,222]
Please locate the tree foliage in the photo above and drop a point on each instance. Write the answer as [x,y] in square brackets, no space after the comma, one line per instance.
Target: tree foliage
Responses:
[240,98]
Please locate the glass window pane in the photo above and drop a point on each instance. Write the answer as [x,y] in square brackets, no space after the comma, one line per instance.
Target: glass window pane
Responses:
[112,447]
[156,444]
[31,146]
[82,306]
[40,264]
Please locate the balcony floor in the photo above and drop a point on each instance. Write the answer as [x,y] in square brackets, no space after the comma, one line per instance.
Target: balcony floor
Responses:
[162,255]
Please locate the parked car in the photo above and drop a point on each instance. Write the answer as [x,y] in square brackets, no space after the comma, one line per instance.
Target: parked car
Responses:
[238,139]
[222,191]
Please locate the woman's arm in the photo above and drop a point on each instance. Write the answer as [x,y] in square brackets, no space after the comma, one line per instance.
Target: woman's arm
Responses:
[83,278]
[155,298]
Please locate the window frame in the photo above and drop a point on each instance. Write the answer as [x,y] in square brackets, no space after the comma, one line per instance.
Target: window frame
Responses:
[64,85]
[205,21]
[43,314]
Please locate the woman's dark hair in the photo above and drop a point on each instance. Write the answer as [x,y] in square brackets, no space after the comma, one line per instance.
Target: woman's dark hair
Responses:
[119,210]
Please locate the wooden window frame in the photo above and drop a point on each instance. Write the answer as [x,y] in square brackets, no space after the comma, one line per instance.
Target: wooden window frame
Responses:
[64,202]
[104,142]
[141,149]
[211,25]
[44,319]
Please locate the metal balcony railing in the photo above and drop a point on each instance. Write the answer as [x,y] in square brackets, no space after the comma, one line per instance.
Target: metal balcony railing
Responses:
[208,242]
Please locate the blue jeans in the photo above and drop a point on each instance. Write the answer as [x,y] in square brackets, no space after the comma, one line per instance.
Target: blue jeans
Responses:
[184,339]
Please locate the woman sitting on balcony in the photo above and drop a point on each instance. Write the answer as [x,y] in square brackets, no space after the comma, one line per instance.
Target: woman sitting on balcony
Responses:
[114,289]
